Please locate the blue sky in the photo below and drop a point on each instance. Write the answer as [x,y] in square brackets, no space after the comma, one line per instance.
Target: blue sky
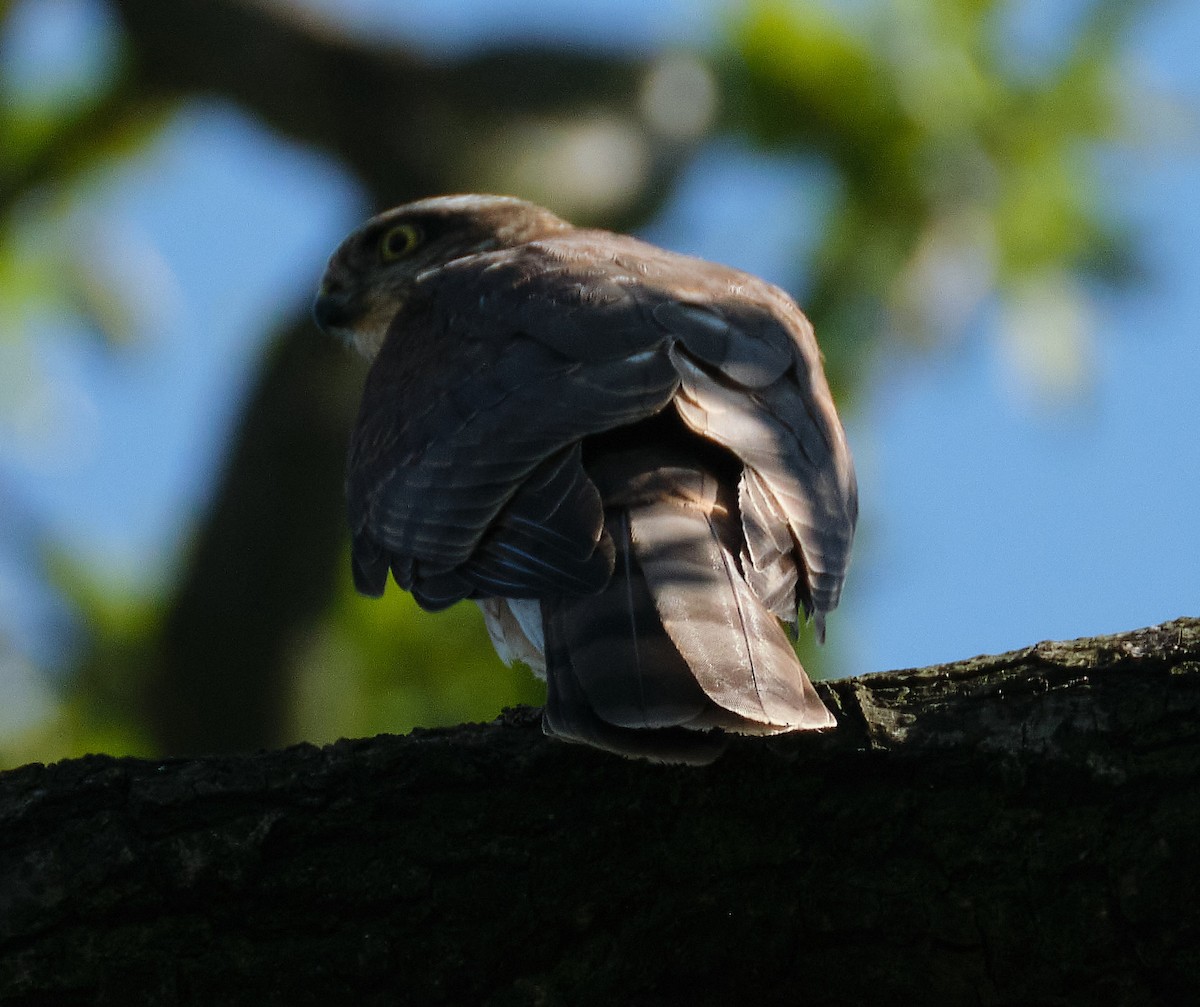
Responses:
[990,520]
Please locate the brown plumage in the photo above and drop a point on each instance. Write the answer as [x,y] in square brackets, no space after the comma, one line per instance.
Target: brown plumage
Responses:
[629,458]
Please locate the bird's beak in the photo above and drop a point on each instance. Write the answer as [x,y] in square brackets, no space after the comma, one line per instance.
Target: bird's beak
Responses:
[332,308]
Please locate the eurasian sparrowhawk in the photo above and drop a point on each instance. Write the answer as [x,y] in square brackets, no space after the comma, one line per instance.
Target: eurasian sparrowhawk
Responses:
[628,457]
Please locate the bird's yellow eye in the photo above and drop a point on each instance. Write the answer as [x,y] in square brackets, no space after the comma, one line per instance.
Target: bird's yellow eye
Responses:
[399,242]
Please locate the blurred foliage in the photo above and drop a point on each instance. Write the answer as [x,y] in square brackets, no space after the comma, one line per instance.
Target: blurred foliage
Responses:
[100,706]
[348,676]
[66,120]
[958,180]
[960,176]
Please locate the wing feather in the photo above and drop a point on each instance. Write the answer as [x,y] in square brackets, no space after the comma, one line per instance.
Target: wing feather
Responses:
[504,361]
[464,472]
[806,472]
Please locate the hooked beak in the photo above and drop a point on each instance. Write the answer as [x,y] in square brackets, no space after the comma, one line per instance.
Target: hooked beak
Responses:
[332,308]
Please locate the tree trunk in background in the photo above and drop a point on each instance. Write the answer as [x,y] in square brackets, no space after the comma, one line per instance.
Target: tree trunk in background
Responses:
[264,563]
[1008,830]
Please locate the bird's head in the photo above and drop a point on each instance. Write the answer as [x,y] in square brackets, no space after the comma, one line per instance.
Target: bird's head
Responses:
[375,270]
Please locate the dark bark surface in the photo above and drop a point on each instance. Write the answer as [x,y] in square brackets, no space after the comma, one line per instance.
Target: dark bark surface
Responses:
[1018,829]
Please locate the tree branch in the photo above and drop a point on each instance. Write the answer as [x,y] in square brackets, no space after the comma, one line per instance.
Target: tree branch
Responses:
[1013,829]
[402,123]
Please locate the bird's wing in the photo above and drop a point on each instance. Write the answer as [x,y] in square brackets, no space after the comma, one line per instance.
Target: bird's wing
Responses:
[752,381]
[465,475]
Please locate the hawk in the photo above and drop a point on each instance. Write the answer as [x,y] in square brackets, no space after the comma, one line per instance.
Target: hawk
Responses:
[629,458]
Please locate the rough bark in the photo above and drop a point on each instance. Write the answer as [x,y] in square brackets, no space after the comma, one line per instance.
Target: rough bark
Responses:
[1006,830]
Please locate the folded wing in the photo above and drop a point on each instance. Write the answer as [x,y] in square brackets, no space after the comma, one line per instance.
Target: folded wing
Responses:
[471,476]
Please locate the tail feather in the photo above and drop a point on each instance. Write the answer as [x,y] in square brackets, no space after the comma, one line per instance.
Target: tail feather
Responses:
[621,660]
[733,645]
[678,642]
[570,715]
